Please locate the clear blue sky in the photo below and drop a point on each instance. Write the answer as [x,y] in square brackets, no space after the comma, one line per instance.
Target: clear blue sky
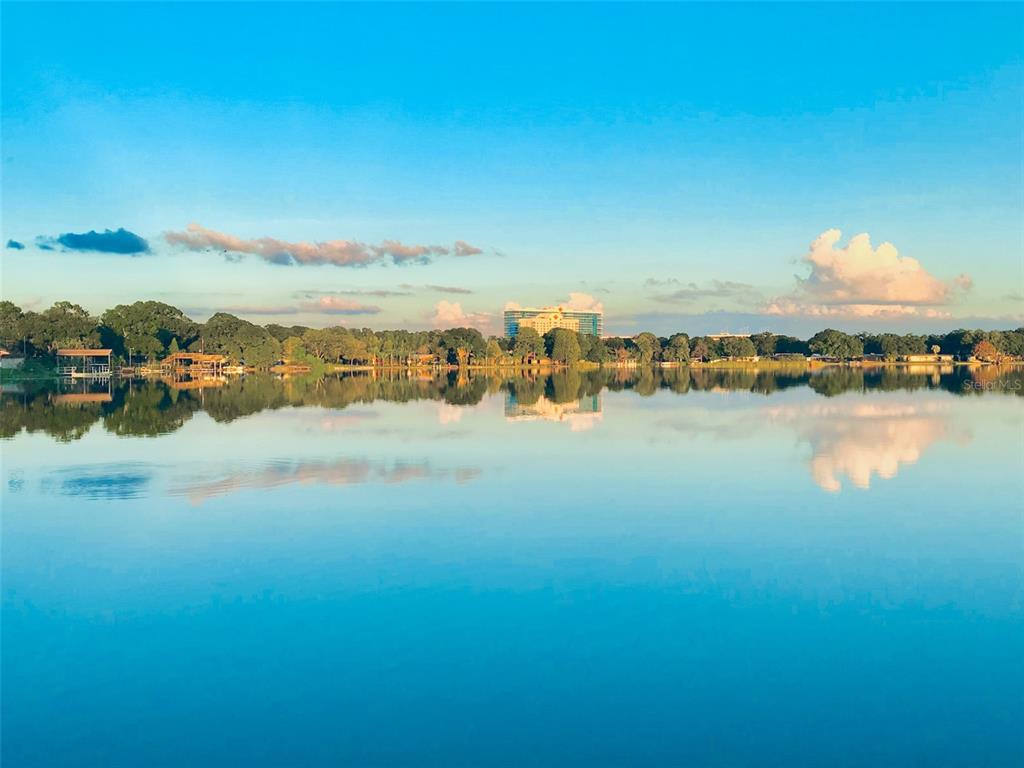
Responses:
[672,161]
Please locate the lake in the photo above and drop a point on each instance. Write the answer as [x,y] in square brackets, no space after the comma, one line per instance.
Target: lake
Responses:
[700,568]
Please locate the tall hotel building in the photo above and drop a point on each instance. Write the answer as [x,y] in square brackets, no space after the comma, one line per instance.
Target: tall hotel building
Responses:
[543,320]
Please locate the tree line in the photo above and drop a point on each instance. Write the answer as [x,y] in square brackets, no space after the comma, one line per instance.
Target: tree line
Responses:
[151,330]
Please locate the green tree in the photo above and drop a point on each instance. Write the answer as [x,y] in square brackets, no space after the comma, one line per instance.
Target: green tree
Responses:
[65,325]
[678,349]
[565,347]
[833,343]
[494,351]
[700,350]
[11,324]
[239,340]
[147,327]
[738,346]
[528,344]
[598,352]
[647,346]
[764,343]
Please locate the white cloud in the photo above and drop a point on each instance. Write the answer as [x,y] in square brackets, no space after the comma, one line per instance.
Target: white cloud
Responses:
[858,280]
[449,314]
[577,302]
[336,305]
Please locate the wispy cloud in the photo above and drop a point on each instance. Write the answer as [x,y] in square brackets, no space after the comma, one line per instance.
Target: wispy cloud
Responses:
[449,289]
[376,293]
[716,289]
[15,245]
[462,248]
[108,241]
[325,305]
[252,309]
[335,305]
[340,253]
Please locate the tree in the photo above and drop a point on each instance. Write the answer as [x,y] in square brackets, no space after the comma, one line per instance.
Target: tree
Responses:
[11,324]
[565,347]
[678,349]
[598,352]
[986,351]
[494,351]
[737,346]
[528,344]
[833,343]
[239,340]
[322,344]
[147,327]
[764,344]
[62,325]
[283,332]
[647,346]
[699,350]
[293,350]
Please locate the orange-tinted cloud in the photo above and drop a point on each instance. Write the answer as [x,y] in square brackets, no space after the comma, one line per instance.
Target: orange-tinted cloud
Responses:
[859,280]
[340,253]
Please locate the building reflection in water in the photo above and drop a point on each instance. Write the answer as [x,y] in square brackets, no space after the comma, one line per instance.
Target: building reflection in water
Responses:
[580,414]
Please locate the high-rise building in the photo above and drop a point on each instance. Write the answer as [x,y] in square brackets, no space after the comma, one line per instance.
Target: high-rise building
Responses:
[547,318]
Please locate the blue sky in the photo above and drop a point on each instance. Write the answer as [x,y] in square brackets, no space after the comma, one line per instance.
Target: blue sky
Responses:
[672,162]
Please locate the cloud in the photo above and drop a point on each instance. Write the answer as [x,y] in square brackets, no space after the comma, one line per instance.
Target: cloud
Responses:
[121,241]
[582,302]
[717,289]
[462,248]
[859,440]
[15,245]
[259,310]
[284,472]
[859,280]
[340,253]
[324,305]
[577,302]
[449,289]
[376,293]
[334,305]
[404,254]
[448,314]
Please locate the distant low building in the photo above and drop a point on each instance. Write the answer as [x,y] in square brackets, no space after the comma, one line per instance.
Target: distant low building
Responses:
[548,318]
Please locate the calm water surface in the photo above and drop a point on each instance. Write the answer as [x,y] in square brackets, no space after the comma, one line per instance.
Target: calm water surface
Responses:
[706,569]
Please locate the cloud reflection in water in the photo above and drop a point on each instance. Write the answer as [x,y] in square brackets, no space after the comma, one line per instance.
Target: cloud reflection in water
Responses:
[860,440]
[281,472]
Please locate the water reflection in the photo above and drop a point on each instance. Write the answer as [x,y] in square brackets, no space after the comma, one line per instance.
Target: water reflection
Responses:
[860,440]
[151,408]
[281,472]
[97,483]
[580,415]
